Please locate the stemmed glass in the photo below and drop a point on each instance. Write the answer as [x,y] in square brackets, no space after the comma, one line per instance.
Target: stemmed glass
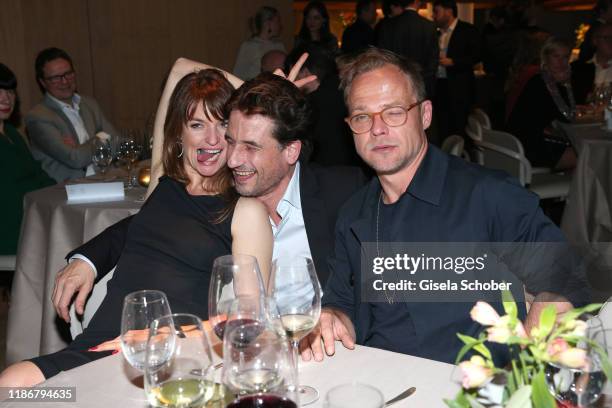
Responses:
[178,370]
[295,288]
[139,310]
[233,276]
[129,153]
[103,154]
[257,367]
[581,387]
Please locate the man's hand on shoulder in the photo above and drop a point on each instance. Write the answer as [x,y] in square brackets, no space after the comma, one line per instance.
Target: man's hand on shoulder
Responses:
[333,325]
[77,276]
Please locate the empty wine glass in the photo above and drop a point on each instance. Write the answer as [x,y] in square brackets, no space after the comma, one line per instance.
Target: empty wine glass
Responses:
[257,367]
[130,149]
[103,154]
[139,310]
[354,395]
[295,288]
[178,370]
[232,276]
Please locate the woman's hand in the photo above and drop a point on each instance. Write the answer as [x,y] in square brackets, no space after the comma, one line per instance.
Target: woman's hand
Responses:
[295,70]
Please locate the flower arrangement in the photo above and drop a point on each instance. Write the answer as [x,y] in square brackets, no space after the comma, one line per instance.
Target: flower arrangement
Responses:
[560,342]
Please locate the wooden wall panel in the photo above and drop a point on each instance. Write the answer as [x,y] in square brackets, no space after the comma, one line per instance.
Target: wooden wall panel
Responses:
[123,49]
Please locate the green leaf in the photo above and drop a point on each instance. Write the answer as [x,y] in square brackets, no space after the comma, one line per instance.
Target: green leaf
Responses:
[460,401]
[575,313]
[509,304]
[472,343]
[474,402]
[521,398]
[540,396]
[547,320]
[482,349]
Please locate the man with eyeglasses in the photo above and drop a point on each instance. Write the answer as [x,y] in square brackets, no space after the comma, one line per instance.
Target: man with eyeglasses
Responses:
[597,71]
[62,128]
[420,195]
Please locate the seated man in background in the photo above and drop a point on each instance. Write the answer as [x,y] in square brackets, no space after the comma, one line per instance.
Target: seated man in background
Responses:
[597,71]
[420,195]
[62,128]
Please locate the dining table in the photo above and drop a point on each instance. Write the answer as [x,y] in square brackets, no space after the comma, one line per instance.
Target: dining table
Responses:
[587,218]
[51,228]
[111,382]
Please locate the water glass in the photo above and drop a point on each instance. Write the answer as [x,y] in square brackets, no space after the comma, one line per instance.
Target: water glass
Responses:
[103,154]
[139,310]
[178,370]
[354,395]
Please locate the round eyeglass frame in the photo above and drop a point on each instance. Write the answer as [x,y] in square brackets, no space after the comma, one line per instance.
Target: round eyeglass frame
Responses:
[371,115]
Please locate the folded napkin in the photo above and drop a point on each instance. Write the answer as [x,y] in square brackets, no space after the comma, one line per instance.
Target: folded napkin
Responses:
[95,192]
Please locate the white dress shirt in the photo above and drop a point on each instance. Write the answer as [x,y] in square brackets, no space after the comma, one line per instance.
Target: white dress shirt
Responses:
[443,41]
[291,241]
[72,112]
[603,75]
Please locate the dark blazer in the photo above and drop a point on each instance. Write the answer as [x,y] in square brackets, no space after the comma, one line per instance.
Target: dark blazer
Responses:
[464,49]
[357,36]
[323,190]
[415,38]
[583,79]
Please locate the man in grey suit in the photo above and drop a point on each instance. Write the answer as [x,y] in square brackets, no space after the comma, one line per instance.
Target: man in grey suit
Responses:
[62,128]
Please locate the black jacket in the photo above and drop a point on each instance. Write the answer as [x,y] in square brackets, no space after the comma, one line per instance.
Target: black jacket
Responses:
[415,38]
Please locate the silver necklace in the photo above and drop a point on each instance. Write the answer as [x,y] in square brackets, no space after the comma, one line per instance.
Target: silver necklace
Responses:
[390,299]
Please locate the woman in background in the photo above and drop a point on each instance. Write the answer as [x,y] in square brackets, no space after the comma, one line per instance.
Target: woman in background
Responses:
[19,172]
[315,29]
[266,27]
[547,96]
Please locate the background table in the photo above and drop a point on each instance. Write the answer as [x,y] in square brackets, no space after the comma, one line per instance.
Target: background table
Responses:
[587,218]
[104,383]
[51,228]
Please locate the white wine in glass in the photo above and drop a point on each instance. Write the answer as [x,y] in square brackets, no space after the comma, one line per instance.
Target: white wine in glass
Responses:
[296,290]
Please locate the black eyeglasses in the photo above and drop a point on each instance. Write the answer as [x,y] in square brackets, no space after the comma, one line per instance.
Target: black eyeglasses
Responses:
[392,116]
[56,79]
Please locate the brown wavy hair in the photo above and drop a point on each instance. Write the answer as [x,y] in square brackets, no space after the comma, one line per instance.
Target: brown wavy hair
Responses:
[213,90]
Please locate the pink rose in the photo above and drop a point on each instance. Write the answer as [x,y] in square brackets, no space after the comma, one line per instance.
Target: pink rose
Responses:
[484,314]
[557,346]
[475,374]
[572,357]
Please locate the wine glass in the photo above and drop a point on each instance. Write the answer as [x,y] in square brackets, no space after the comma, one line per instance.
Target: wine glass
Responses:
[295,288]
[129,153]
[580,387]
[232,276]
[257,367]
[178,370]
[139,310]
[102,155]
[354,395]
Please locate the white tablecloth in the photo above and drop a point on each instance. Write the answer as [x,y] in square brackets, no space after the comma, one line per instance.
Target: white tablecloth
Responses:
[51,228]
[103,384]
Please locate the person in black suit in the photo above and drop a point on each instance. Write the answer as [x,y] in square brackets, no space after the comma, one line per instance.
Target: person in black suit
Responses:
[415,38]
[597,71]
[459,52]
[263,149]
[360,34]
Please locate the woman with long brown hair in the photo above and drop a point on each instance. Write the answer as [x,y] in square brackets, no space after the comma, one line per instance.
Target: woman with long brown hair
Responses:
[192,216]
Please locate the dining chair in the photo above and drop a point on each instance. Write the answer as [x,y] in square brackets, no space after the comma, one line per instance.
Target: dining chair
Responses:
[482,118]
[503,151]
[474,131]
[8,262]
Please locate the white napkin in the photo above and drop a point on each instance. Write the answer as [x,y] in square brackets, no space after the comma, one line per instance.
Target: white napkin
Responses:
[94,192]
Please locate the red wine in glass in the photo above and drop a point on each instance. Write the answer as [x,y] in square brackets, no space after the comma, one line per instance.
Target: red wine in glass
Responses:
[220,328]
[262,401]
